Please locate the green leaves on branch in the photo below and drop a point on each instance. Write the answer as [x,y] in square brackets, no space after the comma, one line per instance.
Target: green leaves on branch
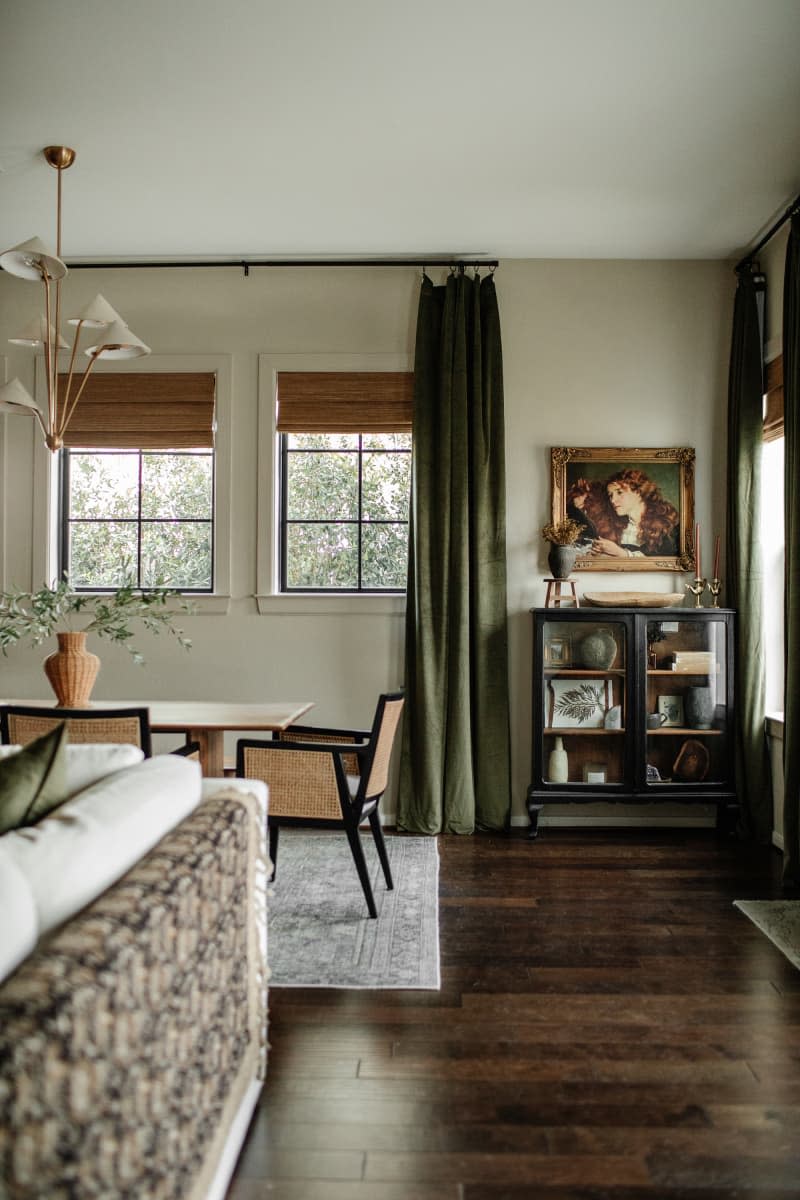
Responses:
[35,616]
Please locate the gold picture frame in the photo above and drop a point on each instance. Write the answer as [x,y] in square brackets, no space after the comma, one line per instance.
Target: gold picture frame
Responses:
[636,506]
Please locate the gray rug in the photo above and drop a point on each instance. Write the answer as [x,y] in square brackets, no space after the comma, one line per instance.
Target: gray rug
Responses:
[779,920]
[320,934]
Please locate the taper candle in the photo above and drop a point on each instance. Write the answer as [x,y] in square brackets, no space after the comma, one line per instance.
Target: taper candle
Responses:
[697,551]
[716,558]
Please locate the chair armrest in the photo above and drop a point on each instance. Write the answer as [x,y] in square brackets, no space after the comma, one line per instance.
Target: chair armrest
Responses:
[340,748]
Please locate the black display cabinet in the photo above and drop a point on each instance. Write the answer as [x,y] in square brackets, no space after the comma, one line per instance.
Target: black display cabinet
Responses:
[633,705]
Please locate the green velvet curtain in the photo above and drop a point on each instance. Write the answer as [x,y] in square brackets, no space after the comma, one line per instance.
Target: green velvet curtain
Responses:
[791,400]
[744,570]
[455,769]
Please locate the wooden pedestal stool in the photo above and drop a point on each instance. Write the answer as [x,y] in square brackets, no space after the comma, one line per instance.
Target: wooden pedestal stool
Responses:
[554,598]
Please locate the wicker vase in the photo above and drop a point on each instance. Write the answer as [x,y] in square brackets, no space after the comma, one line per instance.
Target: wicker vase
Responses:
[72,670]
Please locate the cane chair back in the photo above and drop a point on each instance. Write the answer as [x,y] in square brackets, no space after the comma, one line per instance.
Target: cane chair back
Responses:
[20,724]
[387,720]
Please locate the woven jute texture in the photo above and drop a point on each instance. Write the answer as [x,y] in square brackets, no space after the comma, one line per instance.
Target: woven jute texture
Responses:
[128,1040]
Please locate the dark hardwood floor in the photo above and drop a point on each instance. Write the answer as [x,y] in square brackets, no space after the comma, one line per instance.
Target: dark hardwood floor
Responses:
[609,1026]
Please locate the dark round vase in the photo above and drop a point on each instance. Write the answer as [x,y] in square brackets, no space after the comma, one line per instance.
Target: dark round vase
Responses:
[561,560]
[598,650]
[699,707]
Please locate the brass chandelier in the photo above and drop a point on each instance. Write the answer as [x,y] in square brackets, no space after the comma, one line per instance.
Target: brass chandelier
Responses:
[33,260]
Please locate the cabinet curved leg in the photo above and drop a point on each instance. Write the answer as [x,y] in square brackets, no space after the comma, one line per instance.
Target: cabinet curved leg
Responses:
[534,808]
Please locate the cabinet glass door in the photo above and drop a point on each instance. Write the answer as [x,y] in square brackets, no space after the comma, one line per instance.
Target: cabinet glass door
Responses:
[584,703]
[687,703]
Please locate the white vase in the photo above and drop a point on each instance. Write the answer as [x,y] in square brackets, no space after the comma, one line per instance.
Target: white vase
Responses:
[558,763]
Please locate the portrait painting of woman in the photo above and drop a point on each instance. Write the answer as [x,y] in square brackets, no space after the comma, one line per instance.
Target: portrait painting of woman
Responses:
[634,505]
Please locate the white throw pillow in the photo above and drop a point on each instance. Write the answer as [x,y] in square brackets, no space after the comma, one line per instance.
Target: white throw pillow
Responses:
[91,840]
[88,762]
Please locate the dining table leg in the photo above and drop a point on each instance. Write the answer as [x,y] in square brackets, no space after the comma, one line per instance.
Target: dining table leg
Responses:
[212,751]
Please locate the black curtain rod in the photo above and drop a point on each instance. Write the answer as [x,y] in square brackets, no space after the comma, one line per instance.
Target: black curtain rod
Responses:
[246,264]
[790,211]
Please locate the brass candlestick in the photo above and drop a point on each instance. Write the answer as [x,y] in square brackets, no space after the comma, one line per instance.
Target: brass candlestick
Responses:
[714,586]
[697,588]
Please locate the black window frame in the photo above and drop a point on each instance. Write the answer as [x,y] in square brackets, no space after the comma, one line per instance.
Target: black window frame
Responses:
[64,519]
[359,523]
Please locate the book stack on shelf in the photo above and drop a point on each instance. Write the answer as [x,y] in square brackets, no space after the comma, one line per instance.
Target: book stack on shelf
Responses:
[693,662]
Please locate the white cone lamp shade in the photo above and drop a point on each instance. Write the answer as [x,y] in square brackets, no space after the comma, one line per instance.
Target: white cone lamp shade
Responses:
[97,314]
[116,343]
[33,260]
[14,396]
[35,333]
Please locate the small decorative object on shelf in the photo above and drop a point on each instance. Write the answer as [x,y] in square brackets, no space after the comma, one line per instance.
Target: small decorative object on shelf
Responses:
[697,588]
[558,763]
[598,650]
[699,707]
[691,765]
[715,583]
[563,549]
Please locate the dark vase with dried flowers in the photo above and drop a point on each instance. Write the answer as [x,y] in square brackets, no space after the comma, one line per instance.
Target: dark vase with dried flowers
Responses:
[563,550]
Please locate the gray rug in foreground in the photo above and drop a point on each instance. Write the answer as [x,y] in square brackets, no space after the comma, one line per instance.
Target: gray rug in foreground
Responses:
[320,934]
[779,920]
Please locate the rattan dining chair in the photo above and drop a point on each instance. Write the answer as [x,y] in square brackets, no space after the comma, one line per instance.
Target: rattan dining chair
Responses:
[21,723]
[328,777]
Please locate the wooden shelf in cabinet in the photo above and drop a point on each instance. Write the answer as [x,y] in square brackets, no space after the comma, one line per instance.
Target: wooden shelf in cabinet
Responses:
[569,731]
[676,731]
[586,673]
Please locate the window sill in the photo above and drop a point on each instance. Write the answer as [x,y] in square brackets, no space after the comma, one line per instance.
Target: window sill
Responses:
[774,725]
[357,604]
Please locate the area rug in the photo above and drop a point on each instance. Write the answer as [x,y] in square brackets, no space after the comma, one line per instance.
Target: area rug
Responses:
[779,920]
[320,934]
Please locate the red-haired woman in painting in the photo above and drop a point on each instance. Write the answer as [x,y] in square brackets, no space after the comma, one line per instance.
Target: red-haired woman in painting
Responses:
[627,515]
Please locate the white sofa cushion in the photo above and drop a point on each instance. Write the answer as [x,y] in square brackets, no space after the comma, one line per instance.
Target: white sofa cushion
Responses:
[91,840]
[18,924]
[88,762]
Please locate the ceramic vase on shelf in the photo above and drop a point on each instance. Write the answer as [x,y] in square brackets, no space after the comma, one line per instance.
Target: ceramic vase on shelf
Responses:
[72,670]
[561,560]
[558,763]
[698,707]
[598,650]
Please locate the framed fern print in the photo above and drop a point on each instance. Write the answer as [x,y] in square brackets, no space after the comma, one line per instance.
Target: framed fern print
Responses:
[578,703]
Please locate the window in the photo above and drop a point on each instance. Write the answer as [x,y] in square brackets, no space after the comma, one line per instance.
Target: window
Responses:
[137,484]
[136,516]
[345,480]
[773,535]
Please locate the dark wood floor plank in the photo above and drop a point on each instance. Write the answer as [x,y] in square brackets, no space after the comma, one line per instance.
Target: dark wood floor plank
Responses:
[609,1028]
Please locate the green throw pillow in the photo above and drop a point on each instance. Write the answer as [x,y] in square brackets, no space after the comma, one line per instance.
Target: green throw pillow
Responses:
[34,781]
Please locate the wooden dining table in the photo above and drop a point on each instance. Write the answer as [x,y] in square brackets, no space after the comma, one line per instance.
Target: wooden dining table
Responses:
[206,721]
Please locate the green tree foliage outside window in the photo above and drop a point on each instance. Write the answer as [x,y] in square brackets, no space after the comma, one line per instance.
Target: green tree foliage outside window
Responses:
[145,513]
[345,511]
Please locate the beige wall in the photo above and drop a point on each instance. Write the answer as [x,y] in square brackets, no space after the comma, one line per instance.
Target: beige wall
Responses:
[596,353]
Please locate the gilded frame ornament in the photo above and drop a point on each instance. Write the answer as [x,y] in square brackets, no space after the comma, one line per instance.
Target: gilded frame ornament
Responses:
[580,477]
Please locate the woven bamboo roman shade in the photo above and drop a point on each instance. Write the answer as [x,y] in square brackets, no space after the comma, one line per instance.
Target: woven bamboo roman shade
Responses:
[773,416]
[345,401]
[168,410]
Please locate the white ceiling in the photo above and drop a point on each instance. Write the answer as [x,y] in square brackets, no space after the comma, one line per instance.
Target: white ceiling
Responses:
[515,128]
